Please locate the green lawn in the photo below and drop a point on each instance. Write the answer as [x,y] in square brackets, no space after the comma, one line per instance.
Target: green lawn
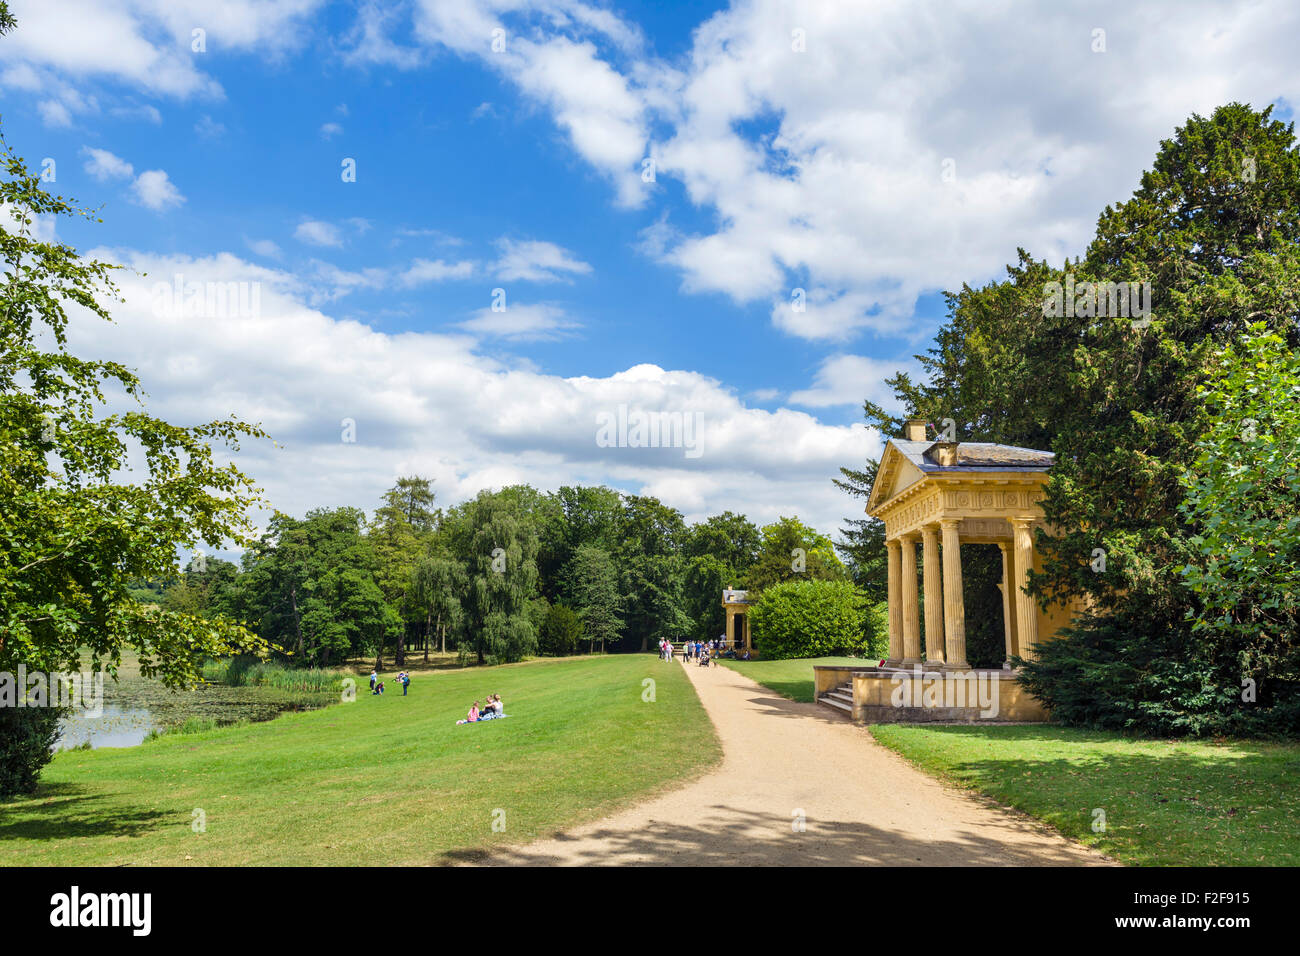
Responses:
[791,679]
[384,780]
[1178,803]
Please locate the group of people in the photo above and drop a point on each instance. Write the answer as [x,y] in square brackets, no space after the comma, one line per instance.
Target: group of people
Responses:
[490,710]
[377,686]
[706,651]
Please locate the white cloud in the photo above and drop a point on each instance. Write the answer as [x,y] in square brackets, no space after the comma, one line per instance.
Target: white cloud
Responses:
[147,43]
[535,261]
[155,190]
[523,323]
[872,180]
[433,404]
[850,379]
[316,233]
[263,247]
[330,130]
[54,114]
[104,166]
[425,270]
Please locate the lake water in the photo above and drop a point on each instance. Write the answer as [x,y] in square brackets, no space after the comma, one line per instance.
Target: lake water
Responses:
[116,727]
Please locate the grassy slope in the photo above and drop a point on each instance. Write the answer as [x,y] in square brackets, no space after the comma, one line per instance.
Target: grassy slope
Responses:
[1179,803]
[385,780]
[791,679]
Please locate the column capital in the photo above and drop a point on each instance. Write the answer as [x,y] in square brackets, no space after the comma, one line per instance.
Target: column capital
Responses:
[949,523]
[1021,521]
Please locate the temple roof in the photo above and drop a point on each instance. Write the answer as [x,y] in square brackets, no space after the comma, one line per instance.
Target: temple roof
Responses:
[904,463]
[975,456]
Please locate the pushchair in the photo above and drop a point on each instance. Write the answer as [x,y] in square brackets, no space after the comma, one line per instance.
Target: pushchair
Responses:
[705,659]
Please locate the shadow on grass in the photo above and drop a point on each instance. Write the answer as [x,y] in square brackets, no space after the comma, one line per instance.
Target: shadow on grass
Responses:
[1173,805]
[737,836]
[64,811]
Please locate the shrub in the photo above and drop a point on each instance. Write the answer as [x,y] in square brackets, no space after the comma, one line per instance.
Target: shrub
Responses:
[26,736]
[560,632]
[815,619]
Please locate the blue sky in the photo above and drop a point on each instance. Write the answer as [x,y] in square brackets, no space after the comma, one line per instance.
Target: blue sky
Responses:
[872,155]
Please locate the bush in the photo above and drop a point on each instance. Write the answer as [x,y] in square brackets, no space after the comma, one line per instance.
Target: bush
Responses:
[560,632]
[815,619]
[26,736]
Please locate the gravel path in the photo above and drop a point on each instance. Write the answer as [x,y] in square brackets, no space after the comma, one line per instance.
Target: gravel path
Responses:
[861,804]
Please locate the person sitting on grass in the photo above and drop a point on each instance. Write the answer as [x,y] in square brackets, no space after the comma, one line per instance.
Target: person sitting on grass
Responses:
[379,688]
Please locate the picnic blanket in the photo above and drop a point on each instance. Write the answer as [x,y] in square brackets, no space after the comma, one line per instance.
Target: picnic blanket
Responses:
[481,719]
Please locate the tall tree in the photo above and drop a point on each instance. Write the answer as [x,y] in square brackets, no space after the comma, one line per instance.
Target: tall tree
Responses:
[595,595]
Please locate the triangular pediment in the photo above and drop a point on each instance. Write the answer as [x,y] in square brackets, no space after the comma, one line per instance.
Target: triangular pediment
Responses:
[895,474]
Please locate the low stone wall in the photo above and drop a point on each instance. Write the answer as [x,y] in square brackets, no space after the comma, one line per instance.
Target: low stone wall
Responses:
[892,696]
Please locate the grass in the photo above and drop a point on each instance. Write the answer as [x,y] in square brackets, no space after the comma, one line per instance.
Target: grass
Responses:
[385,780]
[1166,803]
[791,679]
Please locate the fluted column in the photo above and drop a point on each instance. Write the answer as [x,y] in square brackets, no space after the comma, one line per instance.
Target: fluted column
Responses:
[1008,598]
[911,612]
[930,570]
[1026,607]
[895,606]
[954,605]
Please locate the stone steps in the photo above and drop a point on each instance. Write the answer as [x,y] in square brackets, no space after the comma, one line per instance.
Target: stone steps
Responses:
[840,699]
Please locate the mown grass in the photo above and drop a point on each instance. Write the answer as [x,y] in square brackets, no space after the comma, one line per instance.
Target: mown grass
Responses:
[1166,803]
[383,780]
[792,679]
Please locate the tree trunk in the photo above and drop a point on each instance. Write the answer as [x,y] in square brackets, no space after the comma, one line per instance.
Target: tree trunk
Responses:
[428,633]
[379,655]
[401,646]
[297,620]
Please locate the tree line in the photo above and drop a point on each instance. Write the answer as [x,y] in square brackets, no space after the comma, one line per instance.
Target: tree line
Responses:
[507,574]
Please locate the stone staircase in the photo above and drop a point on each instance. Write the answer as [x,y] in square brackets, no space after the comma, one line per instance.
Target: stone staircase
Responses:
[840,699]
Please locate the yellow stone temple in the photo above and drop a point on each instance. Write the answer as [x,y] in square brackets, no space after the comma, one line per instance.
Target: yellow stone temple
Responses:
[933,497]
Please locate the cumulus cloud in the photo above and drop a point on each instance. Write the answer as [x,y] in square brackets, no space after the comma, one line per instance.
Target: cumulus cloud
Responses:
[869,181]
[433,404]
[104,165]
[154,190]
[849,379]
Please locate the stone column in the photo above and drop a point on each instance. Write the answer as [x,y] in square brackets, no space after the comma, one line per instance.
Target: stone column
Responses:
[954,605]
[934,636]
[731,624]
[895,606]
[1026,606]
[911,612]
[1008,599]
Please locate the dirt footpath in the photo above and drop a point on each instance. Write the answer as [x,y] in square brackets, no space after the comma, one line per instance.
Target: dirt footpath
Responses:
[798,786]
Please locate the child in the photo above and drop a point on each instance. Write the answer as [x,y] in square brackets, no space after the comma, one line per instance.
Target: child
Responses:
[473,712]
[374,676]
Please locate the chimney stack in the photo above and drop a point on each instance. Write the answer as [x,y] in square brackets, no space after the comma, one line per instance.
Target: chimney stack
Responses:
[914,429]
